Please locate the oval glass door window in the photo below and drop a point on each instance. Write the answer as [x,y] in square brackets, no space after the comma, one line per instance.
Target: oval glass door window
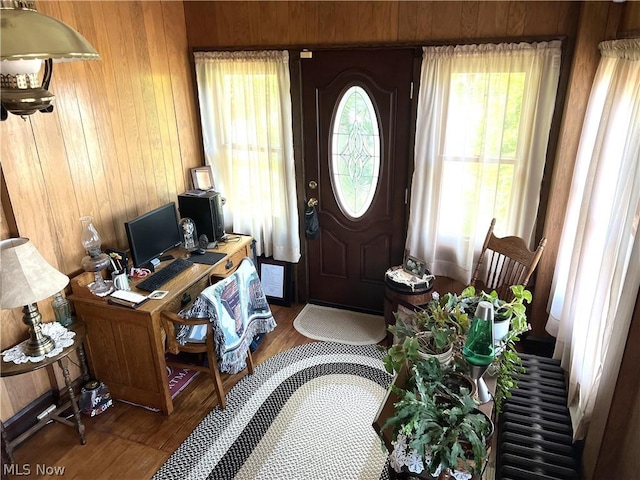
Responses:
[355,152]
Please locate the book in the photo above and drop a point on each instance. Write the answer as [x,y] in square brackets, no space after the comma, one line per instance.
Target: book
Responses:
[128,299]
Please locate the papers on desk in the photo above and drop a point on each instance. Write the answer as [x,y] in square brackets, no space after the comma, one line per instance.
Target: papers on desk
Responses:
[128,299]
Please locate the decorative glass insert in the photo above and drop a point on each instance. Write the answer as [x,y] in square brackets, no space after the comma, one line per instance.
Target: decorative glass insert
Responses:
[355,152]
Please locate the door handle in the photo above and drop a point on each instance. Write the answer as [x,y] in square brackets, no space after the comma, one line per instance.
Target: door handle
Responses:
[312,202]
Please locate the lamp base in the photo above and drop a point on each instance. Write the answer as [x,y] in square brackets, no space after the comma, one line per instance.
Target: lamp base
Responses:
[476,372]
[483,391]
[39,347]
[38,344]
[97,263]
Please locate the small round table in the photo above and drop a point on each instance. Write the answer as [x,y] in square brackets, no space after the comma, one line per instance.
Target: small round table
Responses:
[9,369]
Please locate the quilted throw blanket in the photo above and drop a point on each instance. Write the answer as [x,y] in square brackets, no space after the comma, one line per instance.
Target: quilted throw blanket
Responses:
[238,309]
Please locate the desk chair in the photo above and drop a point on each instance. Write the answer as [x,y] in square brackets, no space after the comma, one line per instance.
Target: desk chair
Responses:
[509,262]
[212,368]
[221,324]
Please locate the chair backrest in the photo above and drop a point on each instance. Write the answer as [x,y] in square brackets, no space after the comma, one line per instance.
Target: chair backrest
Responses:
[509,262]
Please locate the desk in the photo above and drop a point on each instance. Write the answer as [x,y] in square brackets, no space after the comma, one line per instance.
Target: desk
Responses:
[125,347]
[10,369]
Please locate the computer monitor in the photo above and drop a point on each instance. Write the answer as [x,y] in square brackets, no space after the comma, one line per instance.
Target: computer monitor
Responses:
[152,234]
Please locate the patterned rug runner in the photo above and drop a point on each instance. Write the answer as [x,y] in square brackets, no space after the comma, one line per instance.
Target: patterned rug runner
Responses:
[342,326]
[179,379]
[305,413]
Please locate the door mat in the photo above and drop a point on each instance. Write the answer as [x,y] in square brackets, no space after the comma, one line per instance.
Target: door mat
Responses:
[341,326]
[179,379]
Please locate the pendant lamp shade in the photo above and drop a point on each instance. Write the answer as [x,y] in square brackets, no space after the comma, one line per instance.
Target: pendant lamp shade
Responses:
[27,34]
[29,40]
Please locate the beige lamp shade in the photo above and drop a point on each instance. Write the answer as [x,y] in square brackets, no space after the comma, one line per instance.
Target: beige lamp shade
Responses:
[26,276]
[26,34]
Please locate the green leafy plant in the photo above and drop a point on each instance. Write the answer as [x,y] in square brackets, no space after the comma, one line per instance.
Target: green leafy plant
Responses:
[514,310]
[449,429]
[431,330]
[508,364]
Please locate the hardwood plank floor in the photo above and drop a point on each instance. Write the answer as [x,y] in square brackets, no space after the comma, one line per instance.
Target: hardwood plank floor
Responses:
[129,442]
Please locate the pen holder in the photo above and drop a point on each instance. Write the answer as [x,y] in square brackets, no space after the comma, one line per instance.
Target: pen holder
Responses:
[120,280]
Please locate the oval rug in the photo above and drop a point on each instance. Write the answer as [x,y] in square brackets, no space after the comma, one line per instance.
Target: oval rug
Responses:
[305,413]
[338,325]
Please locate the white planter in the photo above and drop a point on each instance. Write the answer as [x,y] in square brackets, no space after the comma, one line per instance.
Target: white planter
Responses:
[500,330]
[444,358]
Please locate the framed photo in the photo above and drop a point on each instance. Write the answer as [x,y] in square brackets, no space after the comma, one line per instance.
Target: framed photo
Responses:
[414,266]
[202,178]
[275,277]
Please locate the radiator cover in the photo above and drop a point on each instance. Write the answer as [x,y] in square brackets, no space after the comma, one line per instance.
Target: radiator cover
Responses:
[535,437]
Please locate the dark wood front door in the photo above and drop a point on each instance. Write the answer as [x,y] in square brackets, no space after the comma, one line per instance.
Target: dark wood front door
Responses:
[357,130]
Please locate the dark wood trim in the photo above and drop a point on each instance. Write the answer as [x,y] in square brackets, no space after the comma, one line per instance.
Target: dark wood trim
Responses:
[301,284]
[554,136]
[379,45]
[27,417]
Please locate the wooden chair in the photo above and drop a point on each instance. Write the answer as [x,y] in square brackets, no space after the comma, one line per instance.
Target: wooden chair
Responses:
[170,319]
[510,262]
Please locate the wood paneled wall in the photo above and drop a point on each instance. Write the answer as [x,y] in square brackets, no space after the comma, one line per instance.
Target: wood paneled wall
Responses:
[246,24]
[271,23]
[125,130]
[120,142]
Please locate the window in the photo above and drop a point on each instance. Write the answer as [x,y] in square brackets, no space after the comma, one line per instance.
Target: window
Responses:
[245,109]
[484,114]
[355,152]
[481,145]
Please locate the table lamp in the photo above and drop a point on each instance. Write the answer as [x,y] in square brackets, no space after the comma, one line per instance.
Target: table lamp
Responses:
[478,350]
[28,278]
[96,261]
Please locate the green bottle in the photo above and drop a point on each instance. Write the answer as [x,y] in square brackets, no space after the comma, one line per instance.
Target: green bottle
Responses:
[478,349]
[61,309]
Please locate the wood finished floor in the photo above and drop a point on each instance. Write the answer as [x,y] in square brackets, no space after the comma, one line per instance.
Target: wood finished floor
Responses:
[128,442]
[131,443]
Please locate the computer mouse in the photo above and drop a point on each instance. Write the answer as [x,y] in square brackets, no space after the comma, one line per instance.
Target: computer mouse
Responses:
[199,251]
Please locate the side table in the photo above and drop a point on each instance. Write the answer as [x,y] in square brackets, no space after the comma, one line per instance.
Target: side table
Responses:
[9,369]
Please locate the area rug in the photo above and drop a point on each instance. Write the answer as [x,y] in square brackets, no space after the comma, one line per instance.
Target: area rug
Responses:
[342,326]
[179,379]
[305,413]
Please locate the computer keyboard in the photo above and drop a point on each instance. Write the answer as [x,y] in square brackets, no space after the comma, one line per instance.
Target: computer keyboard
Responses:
[155,281]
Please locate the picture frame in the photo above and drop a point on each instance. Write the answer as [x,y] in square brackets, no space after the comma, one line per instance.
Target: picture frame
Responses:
[414,266]
[275,277]
[202,178]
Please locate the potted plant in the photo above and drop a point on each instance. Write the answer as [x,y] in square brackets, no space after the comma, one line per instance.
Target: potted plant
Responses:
[430,331]
[510,321]
[447,433]
[508,315]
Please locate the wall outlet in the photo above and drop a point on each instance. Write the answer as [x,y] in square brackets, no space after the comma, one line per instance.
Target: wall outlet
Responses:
[46,411]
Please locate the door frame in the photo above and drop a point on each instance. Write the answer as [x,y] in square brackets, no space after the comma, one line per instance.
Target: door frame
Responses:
[301,274]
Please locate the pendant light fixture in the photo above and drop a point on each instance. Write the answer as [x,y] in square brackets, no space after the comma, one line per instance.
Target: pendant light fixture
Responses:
[28,41]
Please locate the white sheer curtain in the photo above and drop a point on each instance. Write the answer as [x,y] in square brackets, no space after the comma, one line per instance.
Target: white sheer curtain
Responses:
[597,272]
[245,109]
[484,113]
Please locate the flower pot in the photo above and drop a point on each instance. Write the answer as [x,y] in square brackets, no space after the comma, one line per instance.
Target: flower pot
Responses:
[444,357]
[454,381]
[500,330]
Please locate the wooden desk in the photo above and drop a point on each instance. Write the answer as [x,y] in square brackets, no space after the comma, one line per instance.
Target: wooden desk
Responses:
[125,347]
[10,369]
